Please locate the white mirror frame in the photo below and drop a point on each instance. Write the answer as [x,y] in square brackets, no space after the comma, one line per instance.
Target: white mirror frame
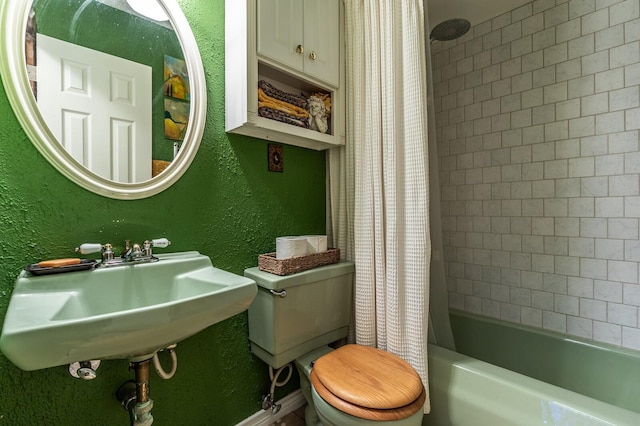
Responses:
[13,22]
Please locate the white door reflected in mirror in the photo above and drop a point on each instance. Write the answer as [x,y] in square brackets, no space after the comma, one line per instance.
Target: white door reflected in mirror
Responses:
[98,106]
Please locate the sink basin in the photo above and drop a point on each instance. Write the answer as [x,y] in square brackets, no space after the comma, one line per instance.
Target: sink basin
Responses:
[128,311]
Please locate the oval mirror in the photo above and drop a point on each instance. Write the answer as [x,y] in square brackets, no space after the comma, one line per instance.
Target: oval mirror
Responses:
[112,95]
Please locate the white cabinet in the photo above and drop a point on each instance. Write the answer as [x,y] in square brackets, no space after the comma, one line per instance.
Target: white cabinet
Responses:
[302,35]
[262,41]
[280,31]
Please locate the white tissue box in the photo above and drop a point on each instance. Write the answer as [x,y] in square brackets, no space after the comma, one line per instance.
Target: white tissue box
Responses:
[316,243]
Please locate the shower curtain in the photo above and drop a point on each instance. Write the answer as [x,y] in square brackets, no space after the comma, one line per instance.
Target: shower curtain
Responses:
[439,323]
[379,182]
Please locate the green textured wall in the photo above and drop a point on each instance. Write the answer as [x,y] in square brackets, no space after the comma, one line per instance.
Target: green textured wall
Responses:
[227,206]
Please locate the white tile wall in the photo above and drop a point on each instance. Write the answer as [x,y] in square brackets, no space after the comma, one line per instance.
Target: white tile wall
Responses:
[538,122]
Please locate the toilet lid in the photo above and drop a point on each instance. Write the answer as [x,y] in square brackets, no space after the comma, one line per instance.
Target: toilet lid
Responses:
[369,379]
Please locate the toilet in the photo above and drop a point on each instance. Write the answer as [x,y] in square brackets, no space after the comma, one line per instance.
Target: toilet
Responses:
[295,317]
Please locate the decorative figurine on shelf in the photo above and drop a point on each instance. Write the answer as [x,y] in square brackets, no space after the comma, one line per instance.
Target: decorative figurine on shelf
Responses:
[318,114]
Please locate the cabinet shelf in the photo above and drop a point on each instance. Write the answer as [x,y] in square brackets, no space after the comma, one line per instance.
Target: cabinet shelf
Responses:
[244,67]
[272,130]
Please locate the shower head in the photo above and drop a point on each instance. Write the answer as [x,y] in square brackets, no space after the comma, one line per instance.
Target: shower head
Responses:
[450,29]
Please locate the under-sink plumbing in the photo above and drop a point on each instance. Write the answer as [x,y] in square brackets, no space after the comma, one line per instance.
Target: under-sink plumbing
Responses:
[85,370]
[268,400]
[134,394]
[130,255]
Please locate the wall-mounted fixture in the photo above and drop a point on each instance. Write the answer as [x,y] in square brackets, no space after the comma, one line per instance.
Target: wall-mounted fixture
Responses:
[132,312]
[13,70]
[274,154]
[450,29]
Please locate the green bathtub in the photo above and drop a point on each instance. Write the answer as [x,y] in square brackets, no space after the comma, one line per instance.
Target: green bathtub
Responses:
[506,374]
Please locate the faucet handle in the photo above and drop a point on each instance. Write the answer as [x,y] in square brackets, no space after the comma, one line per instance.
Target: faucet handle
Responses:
[88,248]
[160,242]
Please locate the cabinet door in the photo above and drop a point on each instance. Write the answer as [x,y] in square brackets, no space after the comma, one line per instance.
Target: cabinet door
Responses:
[322,40]
[280,31]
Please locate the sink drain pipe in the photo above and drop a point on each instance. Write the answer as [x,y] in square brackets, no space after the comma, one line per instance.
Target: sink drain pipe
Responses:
[144,404]
[134,394]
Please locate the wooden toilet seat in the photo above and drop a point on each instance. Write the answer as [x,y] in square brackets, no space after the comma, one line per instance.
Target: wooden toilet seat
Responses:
[368,383]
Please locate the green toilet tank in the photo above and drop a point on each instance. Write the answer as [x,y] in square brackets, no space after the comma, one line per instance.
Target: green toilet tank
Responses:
[294,314]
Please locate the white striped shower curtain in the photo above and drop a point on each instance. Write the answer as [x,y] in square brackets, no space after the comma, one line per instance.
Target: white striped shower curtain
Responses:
[379,181]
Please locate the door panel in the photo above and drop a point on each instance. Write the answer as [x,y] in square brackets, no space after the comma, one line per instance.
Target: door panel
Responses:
[98,106]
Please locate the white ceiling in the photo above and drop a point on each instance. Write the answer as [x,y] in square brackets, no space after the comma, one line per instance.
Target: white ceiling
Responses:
[475,11]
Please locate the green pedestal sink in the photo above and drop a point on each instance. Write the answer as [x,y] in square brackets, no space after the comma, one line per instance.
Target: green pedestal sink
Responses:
[128,311]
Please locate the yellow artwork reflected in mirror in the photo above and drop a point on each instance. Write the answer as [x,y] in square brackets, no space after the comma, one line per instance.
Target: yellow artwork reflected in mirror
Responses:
[176,103]
[176,119]
[176,78]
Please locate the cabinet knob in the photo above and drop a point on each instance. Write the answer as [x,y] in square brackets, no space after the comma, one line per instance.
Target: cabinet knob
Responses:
[313,56]
[299,49]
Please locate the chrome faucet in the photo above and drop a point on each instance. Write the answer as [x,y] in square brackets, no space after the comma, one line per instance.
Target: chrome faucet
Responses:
[147,248]
[130,254]
[107,252]
[137,252]
[126,252]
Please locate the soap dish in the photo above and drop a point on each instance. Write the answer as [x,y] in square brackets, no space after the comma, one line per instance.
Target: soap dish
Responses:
[84,265]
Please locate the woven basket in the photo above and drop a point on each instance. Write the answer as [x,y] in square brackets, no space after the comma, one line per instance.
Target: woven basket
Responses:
[267,262]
